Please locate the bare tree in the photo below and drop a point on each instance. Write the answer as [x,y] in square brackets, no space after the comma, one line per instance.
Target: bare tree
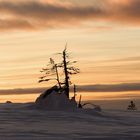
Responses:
[66,65]
[68,70]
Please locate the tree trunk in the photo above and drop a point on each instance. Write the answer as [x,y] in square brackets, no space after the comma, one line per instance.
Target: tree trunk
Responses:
[57,76]
[66,74]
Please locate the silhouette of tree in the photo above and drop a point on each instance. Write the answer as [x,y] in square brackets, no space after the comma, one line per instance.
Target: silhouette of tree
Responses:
[68,69]
[50,71]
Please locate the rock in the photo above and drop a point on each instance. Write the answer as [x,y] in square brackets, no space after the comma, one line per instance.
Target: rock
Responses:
[8,102]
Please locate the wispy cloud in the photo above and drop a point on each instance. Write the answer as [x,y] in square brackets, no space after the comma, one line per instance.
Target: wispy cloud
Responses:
[123,87]
[111,87]
[51,14]
[11,24]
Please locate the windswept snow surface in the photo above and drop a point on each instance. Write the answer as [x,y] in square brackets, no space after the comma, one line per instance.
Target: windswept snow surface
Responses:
[20,122]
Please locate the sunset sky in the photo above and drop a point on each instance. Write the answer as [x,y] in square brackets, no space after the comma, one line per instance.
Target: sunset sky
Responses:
[102,35]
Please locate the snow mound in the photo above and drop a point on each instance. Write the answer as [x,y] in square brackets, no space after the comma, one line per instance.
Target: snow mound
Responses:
[55,101]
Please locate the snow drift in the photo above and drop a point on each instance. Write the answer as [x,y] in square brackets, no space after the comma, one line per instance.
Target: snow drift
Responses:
[21,123]
[52,99]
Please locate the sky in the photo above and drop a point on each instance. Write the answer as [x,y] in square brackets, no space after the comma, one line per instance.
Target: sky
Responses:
[102,35]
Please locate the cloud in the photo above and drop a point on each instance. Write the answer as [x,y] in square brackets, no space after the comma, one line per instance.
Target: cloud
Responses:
[110,87]
[128,59]
[127,11]
[51,14]
[21,91]
[15,24]
[80,88]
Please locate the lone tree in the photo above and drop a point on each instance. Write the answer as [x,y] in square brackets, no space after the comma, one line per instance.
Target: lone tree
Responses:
[68,70]
[52,72]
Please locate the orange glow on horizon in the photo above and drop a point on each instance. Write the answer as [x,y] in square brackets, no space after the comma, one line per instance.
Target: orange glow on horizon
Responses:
[86,96]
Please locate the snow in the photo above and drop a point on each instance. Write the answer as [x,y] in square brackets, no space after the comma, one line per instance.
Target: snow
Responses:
[21,122]
[55,101]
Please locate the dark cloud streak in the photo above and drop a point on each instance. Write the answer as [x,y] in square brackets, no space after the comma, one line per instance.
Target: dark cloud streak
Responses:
[124,87]
[38,15]
[111,88]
